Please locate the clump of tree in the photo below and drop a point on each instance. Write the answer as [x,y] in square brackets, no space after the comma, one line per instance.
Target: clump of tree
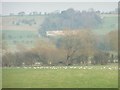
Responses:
[44,53]
[21,13]
[100,58]
[48,52]
[70,19]
[112,38]
[80,46]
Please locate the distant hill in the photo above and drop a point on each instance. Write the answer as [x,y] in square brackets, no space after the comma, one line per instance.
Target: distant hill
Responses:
[25,29]
[110,22]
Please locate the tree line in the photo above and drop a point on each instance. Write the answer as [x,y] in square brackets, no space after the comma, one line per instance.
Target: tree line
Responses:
[81,48]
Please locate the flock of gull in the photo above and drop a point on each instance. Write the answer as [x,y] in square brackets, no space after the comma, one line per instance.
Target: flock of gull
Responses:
[73,67]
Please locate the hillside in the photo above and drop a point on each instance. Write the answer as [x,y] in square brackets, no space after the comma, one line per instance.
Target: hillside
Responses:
[20,30]
[110,22]
[21,22]
[25,29]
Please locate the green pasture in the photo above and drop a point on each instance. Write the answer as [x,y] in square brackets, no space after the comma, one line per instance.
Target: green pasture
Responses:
[64,77]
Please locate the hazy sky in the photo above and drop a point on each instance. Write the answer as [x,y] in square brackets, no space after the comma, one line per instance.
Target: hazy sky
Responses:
[59,0]
[15,7]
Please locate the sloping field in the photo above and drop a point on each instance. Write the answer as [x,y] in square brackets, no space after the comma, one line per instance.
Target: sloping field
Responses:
[16,37]
[109,23]
[18,30]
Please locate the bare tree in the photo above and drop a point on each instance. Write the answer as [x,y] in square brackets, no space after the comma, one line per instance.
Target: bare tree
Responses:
[78,43]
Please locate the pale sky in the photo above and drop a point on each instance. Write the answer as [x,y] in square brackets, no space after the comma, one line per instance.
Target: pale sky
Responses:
[27,7]
[59,0]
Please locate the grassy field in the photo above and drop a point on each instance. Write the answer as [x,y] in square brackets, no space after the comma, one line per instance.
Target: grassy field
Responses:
[59,77]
